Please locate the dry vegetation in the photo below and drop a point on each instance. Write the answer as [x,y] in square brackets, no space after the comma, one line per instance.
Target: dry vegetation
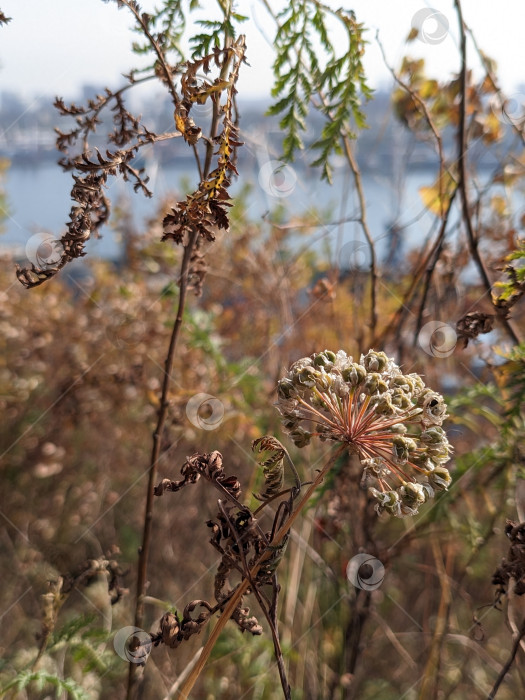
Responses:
[82,387]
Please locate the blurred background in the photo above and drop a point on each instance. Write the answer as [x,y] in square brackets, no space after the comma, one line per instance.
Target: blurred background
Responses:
[82,360]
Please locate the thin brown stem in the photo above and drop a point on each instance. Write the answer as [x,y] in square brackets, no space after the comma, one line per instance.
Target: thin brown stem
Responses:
[158,51]
[245,584]
[508,663]
[216,111]
[265,608]
[421,104]
[363,221]
[437,248]
[156,448]
[463,180]
[518,129]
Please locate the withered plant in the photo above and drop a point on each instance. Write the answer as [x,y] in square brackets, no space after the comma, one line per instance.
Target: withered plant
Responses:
[385,422]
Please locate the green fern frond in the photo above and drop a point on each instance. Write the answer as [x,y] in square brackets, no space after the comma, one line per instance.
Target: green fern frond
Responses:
[71,628]
[167,25]
[333,80]
[41,679]
[217,31]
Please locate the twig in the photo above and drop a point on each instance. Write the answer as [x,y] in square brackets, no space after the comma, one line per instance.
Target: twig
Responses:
[462,158]
[155,46]
[493,81]
[245,584]
[358,181]
[508,663]
[155,453]
[268,610]
[437,248]
[428,117]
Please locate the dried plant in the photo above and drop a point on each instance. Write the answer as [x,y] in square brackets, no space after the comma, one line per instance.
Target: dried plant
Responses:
[370,406]
[386,423]
[205,210]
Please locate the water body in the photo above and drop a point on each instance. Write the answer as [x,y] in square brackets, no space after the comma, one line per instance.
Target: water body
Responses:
[38,201]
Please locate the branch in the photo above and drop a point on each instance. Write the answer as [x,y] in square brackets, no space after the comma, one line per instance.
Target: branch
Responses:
[142,21]
[508,663]
[462,159]
[155,453]
[245,584]
[436,252]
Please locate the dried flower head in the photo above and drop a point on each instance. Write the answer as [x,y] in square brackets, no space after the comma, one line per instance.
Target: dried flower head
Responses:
[390,420]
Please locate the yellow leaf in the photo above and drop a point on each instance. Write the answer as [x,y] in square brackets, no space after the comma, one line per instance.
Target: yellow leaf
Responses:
[491,128]
[179,123]
[431,198]
[153,398]
[202,95]
[429,88]
[499,205]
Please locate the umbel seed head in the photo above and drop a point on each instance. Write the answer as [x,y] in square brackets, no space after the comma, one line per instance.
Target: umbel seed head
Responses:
[390,420]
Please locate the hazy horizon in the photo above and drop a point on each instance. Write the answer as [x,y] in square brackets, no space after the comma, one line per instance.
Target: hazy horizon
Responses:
[54,48]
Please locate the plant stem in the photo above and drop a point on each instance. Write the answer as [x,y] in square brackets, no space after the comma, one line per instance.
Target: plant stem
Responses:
[245,583]
[508,663]
[462,159]
[155,453]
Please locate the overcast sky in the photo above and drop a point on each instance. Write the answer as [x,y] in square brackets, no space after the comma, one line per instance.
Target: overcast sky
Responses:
[54,47]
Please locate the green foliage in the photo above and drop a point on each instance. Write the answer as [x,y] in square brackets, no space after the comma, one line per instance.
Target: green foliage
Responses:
[246,665]
[474,402]
[41,680]
[505,412]
[513,289]
[335,82]
[167,25]
[218,32]
[68,631]
[202,335]
[514,385]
